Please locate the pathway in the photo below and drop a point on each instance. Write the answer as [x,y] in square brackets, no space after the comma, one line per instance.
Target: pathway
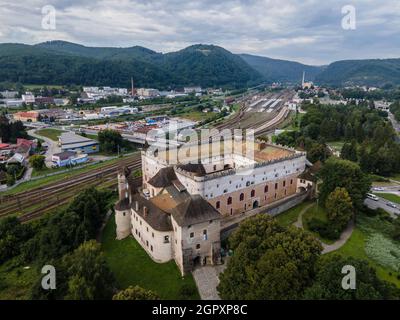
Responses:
[52,147]
[346,234]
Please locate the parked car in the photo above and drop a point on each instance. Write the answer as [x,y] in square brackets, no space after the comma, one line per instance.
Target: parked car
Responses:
[392,205]
[378,189]
[372,197]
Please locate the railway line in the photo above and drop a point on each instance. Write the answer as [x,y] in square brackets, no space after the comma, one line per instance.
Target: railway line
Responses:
[39,200]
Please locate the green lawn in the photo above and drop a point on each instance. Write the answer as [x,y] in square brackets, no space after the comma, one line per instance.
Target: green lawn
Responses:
[131,265]
[390,197]
[290,216]
[15,281]
[355,247]
[395,177]
[52,134]
[336,145]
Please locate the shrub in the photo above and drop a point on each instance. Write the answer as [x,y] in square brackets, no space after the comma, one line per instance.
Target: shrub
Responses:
[324,229]
[187,291]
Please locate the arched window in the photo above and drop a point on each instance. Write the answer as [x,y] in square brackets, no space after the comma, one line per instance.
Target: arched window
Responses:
[284,183]
[266,189]
[229,201]
[253,193]
[218,205]
[241,197]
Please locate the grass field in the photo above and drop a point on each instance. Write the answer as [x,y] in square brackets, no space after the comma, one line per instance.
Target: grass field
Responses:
[52,134]
[131,265]
[355,247]
[290,216]
[390,197]
[15,281]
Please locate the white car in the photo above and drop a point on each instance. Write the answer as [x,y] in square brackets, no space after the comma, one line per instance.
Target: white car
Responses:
[392,205]
[378,189]
[372,197]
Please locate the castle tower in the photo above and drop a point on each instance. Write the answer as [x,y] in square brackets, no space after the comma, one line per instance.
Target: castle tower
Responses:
[122,208]
[123,185]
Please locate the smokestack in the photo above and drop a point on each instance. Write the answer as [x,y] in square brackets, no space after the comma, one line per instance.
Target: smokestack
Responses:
[304,79]
[132,88]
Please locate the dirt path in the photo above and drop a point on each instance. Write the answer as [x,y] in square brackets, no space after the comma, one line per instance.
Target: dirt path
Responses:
[346,234]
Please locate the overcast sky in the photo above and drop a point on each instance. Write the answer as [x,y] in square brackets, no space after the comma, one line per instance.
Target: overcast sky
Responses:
[308,31]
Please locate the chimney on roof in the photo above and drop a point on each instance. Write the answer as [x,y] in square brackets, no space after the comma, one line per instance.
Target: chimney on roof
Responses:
[145,211]
[137,206]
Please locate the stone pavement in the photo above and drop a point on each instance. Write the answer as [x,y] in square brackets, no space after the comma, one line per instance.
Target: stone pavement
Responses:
[206,278]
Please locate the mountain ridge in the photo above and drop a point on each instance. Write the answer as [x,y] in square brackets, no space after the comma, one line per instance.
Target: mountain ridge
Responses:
[63,62]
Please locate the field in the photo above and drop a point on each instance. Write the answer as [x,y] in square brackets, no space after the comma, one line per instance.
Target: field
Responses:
[289,217]
[355,247]
[52,134]
[132,266]
[390,197]
[15,281]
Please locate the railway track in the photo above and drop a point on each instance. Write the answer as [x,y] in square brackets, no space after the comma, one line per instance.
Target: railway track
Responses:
[55,194]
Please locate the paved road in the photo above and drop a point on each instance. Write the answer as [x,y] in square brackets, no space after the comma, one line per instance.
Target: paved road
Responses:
[52,146]
[382,203]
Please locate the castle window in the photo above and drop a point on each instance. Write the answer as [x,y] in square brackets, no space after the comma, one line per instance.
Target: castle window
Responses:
[151,248]
[229,202]
[253,193]
[166,239]
[192,235]
[266,189]
[152,234]
[147,243]
[241,197]
[226,190]
[197,246]
[211,221]
[123,214]
[205,232]
[284,183]
[147,229]
[276,186]
[218,205]
[291,181]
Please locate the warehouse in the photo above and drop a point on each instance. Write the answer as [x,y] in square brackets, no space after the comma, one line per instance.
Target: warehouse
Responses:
[70,141]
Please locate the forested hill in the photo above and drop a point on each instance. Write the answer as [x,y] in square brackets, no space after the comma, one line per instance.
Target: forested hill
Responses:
[277,70]
[60,62]
[375,72]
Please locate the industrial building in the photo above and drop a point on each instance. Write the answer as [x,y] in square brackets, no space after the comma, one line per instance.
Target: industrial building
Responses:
[70,141]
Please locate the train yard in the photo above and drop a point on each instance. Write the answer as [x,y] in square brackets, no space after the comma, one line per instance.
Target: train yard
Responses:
[260,112]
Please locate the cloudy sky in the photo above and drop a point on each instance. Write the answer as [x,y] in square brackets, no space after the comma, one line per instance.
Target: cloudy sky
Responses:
[308,31]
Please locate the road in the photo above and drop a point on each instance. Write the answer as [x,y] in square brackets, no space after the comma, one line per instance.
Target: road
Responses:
[52,146]
[382,203]
[396,124]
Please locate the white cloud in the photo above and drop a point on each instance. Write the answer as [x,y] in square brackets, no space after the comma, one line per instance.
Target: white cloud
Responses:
[305,30]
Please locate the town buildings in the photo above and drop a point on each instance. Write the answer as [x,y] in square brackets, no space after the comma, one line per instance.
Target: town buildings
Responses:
[177,212]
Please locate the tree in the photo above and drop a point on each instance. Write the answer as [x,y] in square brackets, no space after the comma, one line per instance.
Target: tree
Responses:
[349,151]
[110,140]
[37,162]
[344,174]
[269,261]
[328,281]
[339,208]
[89,277]
[136,293]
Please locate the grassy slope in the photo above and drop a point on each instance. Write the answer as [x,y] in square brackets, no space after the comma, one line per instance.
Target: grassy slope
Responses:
[354,247]
[289,217]
[319,213]
[52,134]
[132,266]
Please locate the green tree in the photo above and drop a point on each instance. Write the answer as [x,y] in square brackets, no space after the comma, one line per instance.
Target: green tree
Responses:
[344,174]
[349,151]
[110,140]
[37,162]
[269,261]
[328,281]
[339,208]
[89,277]
[136,293]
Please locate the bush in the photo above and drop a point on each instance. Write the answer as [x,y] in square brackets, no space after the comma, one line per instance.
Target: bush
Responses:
[326,230]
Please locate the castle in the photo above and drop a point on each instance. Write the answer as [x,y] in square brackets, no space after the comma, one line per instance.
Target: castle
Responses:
[177,212]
